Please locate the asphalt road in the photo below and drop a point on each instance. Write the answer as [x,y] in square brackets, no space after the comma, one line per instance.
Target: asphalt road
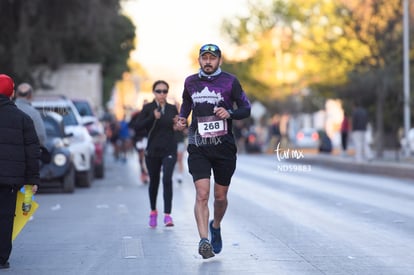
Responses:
[283,218]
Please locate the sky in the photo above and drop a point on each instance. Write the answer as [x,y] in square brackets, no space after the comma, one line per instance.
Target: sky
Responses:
[168,30]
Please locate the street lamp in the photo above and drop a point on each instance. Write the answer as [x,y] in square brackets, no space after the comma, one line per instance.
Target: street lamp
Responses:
[406,58]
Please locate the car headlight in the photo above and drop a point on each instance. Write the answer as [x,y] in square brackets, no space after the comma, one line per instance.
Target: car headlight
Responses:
[59,159]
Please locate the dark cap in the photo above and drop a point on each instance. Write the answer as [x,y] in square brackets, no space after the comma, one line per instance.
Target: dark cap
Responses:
[210,48]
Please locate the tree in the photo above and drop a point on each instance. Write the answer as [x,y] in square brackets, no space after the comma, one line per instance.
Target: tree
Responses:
[294,45]
[52,32]
[349,49]
[378,26]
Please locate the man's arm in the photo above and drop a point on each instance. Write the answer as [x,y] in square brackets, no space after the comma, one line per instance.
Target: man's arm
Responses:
[242,102]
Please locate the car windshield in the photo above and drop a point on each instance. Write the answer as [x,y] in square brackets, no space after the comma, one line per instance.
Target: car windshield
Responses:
[52,127]
[84,108]
[69,118]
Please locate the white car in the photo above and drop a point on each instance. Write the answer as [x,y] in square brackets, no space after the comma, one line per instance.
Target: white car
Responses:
[403,141]
[81,142]
[96,130]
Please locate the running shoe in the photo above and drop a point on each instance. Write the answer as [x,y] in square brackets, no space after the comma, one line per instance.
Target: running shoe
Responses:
[153,219]
[168,220]
[216,241]
[205,249]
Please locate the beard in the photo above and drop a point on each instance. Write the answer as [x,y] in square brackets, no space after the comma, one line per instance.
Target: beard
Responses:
[209,69]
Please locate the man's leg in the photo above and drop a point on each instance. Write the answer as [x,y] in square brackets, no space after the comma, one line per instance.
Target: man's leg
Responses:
[8,198]
[201,213]
[358,144]
[220,203]
[223,169]
[220,206]
[201,210]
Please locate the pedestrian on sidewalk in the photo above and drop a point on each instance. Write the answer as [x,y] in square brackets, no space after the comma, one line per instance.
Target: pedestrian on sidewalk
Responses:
[181,138]
[24,95]
[140,143]
[19,162]
[345,127]
[159,119]
[210,95]
[359,133]
[124,139]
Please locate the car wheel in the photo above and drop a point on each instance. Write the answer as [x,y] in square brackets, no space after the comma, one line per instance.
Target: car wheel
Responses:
[99,171]
[91,171]
[83,179]
[68,184]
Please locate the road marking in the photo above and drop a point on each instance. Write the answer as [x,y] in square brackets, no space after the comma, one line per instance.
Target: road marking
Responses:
[132,248]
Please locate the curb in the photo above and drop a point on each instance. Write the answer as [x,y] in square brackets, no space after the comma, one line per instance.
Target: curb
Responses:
[386,168]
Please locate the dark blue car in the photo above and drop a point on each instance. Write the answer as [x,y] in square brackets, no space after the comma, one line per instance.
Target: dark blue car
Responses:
[59,172]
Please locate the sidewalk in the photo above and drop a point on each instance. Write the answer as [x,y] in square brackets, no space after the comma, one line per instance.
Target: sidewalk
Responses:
[391,164]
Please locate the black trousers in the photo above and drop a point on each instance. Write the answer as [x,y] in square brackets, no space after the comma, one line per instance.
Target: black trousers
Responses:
[344,140]
[154,165]
[8,197]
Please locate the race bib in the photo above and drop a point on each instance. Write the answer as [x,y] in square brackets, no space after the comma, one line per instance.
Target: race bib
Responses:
[211,126]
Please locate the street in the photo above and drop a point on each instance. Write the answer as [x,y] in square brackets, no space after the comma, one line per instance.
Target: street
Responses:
[282,219]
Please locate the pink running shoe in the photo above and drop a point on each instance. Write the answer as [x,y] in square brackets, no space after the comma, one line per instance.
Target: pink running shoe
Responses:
[168,220]
[153,219]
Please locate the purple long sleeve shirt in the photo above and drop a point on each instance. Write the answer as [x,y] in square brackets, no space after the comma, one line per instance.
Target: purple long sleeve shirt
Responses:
[201,95]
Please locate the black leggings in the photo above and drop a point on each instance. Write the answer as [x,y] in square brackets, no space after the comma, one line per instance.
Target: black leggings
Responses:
[154,165]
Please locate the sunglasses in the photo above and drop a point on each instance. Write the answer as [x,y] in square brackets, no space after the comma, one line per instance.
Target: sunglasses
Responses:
[210,48]
[161,91]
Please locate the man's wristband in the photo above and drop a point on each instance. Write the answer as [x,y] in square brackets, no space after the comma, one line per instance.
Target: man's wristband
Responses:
[230,113]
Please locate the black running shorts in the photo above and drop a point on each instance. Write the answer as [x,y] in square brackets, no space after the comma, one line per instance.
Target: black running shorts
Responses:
[221,158]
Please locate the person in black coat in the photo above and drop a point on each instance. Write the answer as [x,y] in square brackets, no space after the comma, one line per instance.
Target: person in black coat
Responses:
[159,118]
[139,140]
[19,162]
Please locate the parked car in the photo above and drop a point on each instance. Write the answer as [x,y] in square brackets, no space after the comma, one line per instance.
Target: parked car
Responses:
[307,138]
[403,141]
[81,143]
[60,171]
[96,130]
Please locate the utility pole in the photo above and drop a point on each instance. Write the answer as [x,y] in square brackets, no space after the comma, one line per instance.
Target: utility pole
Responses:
[406,58]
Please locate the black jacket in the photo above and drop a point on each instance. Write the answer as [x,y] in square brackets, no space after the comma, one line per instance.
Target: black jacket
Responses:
[161,139]
[359,119]
[19,146]
[139,134]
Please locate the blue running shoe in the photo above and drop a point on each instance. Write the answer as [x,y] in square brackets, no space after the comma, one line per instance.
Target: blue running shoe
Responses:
[216,241]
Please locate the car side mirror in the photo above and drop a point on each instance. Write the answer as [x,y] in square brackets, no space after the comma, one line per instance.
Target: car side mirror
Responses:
[87,121]
[68,135]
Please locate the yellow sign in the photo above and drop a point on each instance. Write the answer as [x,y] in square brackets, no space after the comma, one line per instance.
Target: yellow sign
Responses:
[20,220]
